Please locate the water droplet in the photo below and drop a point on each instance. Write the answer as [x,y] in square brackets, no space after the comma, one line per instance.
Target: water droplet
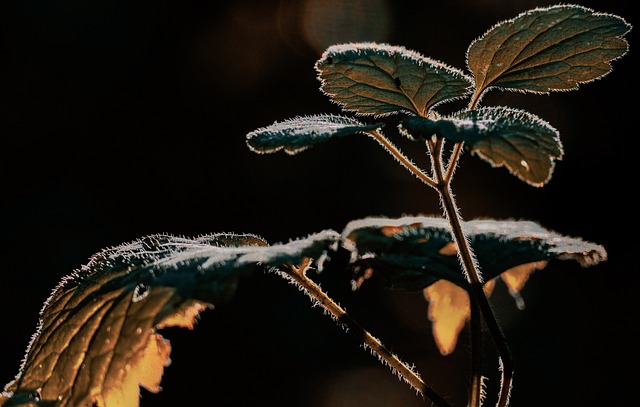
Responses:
[138,330]
[141,292]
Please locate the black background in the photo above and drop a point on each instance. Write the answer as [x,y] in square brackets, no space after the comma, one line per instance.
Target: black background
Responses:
[121,119]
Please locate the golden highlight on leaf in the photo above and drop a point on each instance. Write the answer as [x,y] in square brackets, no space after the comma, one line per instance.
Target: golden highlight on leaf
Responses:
[418,253]
[151,366]
[448,311]
[449,249]
[186,316]
[449,306]
[97,341]
[146,372]
[516,277]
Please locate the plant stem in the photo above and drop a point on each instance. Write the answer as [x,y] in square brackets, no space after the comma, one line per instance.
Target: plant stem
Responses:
[475,393]
[298,275]
[469,266]
[441,181]
[435,146]
[397,154]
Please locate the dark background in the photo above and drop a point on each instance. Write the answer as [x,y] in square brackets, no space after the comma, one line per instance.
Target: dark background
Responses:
[121,119]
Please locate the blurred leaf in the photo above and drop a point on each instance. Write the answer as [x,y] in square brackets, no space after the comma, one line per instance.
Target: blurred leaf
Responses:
[547,49]
[380,79]
[448,312]
[522,142]
[412,253]
[97,339]
[418,253]
[298,134]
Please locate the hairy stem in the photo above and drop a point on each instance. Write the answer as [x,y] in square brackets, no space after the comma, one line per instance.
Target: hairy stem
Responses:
[435,146]
[298,275]
[397,154]
[453,162]
[475,393]
[473,276]
[441,181]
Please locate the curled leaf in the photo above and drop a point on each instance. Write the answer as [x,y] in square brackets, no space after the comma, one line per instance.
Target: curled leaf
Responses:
[522,142]
[547,49]
[300,133]
[412,253]
[97,338]
[381,79]
[418,253]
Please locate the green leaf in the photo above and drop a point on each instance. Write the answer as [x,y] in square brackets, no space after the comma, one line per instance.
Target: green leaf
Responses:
[298,134]
[97,338]
[380,79]
[525,144]
[412,253]
[547,49]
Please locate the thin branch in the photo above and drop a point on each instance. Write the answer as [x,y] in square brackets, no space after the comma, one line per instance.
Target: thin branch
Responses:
[453,162]
[297,274]
[470,268]
[475,392]
[397,154]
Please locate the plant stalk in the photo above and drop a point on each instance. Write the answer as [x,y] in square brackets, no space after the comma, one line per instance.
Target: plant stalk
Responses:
[298,275]
[475,392]
[441,182]
[469,266]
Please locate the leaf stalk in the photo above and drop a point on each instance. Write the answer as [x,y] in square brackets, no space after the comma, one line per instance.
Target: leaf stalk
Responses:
[473,275]
[298,275]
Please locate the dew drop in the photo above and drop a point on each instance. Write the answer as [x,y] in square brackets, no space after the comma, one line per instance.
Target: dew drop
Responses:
[525,165]
[140,292]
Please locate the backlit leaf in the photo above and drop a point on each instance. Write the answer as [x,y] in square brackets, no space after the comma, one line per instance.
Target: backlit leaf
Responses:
[547,49]
[412,253]
[300,133]
[418,253]
[97,339]
[448,311]
[380,79]
[522,142]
